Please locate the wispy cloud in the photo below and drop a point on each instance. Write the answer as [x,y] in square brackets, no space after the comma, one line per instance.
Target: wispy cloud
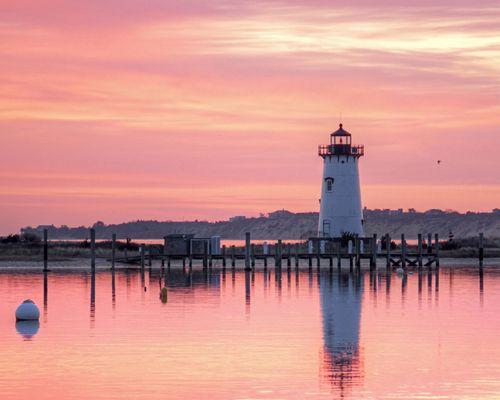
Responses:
[238,95]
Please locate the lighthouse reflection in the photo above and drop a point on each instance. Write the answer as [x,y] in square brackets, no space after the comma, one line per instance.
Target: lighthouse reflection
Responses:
[340,297]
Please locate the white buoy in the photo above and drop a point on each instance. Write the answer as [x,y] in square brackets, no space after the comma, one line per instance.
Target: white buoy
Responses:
[27,311]
[400,271]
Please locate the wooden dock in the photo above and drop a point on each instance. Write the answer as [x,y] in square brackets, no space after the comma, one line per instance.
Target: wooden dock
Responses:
[316,252]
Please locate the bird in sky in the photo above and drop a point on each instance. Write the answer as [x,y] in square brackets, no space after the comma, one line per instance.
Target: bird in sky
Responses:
[439,162]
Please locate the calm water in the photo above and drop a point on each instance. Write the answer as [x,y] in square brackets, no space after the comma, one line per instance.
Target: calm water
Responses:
[252,336]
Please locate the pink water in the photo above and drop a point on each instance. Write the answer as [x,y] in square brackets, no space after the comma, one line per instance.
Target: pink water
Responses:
[252,336]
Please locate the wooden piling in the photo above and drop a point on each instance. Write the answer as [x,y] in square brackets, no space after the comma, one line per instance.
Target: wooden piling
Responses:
[113,250]
[388,250]
[339,254]
[143,250]
[296,255]
[223,256]
[150,257]
[247,252]
[92,249]
[420,249]
[164,251]
[349,251]
[429,244]
[358,255]
[436,239]
[45,250]
[205,254]
[403,251]
[373,260]
[209,255]
[252,254]
[309,253]
[481,250]
[279,253]
[318,253]
[233,259]
[289,255]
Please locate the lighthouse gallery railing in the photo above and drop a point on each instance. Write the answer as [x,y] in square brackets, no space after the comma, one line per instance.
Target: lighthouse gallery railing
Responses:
[341,150]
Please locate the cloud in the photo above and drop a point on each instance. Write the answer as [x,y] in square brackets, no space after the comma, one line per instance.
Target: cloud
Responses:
[236,95]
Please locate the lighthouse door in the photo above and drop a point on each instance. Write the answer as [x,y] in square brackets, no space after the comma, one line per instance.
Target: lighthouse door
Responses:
[326,227]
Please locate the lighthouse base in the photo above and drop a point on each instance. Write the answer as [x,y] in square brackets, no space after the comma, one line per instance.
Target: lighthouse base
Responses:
[335,226]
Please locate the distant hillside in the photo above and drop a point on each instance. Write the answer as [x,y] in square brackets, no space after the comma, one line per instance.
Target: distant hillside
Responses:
[287,225]
[433,221]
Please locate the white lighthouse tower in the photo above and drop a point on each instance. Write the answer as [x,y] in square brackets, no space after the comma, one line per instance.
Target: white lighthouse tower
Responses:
[340,208]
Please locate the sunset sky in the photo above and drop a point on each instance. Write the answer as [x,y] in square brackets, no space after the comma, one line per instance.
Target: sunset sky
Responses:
[122,110]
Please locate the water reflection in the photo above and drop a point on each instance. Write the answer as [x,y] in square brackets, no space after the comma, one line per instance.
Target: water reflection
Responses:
[481,286]
[340,297]
[277,282]
[177,280]
[92,300]
[113,288]
[247,292]
[436,286]
[45,294]
[27,329]
[366,350]
[404,285]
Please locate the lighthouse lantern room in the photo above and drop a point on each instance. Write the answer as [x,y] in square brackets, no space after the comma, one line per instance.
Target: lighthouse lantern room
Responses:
[340,205]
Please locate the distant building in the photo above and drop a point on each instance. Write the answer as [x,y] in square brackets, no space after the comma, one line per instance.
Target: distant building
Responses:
[178,244]
[237,218]
[40,228]
[434,211]
[399,211]
[279,213]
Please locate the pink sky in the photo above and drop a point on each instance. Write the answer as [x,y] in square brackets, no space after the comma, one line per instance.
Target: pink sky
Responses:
[124,110]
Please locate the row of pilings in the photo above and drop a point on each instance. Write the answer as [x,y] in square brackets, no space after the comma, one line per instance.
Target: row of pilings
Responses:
[426,253]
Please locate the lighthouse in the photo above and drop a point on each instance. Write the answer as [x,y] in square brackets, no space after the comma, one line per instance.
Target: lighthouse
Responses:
[340,204]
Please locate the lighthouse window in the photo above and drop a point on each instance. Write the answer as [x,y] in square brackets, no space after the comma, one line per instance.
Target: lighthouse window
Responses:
[329,184]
